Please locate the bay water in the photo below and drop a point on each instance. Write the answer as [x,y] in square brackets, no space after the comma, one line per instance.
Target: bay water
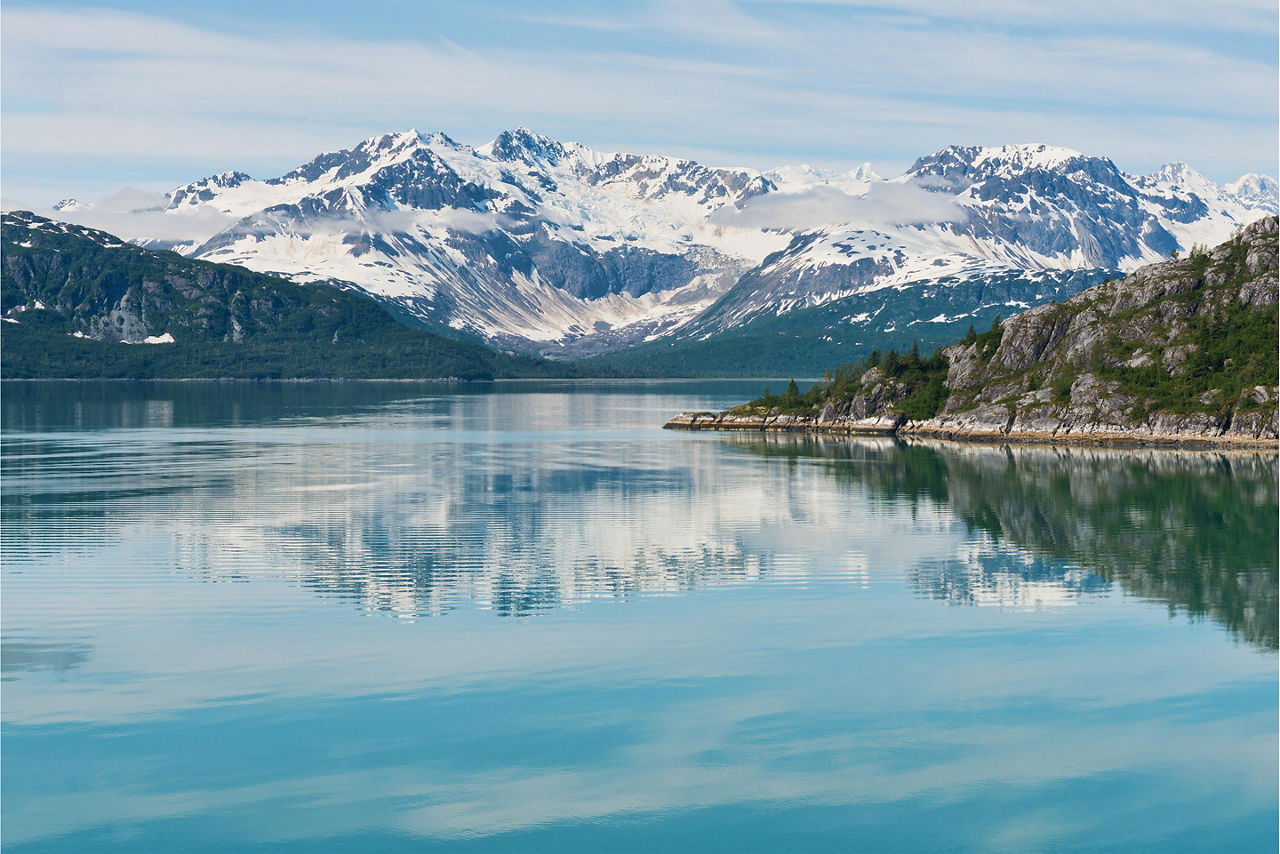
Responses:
[522,617]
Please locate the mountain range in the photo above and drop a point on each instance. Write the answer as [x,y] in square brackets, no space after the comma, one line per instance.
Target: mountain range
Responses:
[539,246]
[79,303]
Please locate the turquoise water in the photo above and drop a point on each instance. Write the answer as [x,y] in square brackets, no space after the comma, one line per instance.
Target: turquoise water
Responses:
[521,617]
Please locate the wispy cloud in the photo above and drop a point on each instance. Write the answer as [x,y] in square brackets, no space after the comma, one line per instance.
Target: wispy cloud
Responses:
[742,83]
[1229,15]
[135,214]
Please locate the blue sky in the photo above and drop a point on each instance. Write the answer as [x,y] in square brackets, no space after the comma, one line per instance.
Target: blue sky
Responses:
[97,96]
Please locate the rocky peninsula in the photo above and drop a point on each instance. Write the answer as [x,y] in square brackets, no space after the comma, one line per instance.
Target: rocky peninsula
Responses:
[1182,352]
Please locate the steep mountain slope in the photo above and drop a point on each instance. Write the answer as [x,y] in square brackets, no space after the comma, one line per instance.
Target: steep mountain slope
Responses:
[805,341]
[524,242]
[968,213]
[75,299]
[552,247]
[1184,349]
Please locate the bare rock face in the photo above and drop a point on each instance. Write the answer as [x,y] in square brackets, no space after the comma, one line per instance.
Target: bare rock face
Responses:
[1041,328]
[992,419]
[1256,424]
[1131,358]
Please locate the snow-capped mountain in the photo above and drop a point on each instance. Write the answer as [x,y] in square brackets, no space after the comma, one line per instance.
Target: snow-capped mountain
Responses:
[550,246]
[971,212]
[1257,191]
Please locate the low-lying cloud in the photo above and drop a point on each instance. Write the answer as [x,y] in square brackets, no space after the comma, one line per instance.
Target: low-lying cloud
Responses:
[134,214]
[138,215]
[884,203]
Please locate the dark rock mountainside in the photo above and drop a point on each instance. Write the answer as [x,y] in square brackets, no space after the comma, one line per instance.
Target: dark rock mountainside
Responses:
[1176,351]
[74,299]
[1096,197]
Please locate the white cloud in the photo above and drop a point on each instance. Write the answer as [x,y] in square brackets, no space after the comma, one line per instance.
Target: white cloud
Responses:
[884,203]
[738,86]
[475,222]
[135,214]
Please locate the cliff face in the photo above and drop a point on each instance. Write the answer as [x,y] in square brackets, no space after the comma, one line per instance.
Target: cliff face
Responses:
[1181,350]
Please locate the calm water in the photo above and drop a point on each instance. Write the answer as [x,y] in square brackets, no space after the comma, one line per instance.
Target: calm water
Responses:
[522,617]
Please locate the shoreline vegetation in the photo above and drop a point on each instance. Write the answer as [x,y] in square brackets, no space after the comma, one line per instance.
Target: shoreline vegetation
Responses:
[1180,353]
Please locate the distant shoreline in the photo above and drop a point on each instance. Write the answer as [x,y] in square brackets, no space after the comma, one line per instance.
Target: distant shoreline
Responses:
[451,380]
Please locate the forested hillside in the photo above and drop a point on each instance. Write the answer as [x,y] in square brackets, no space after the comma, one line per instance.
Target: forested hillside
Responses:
[81,303]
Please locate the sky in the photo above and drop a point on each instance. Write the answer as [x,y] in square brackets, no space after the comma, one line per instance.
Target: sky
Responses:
[99,96]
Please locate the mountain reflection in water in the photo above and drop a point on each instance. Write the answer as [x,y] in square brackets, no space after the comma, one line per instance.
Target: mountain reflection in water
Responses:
[412,500]
[366,617]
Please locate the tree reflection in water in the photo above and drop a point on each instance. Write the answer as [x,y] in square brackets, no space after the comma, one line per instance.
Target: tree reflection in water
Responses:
[1195,530]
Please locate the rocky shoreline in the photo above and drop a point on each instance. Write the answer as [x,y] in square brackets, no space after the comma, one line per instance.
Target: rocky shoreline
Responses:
[937,429]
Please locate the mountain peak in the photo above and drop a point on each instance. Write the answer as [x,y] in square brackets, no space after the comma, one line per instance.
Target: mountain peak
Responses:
[864,173]
[1022,157]
[228,179]
[437,137]
[1030,155]
[395,143]
[800,176]
[1254,185]
[203,190]
[979,160]
[525,145]
[1179,174]
[392,141]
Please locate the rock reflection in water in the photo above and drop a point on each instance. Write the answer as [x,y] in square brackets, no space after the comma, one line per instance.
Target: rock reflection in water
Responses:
[1195,530]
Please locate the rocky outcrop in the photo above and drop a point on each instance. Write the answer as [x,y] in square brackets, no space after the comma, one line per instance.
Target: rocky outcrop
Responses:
[1168,354]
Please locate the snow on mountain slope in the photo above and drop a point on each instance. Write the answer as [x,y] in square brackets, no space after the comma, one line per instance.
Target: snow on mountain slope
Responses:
[553,247]
[793,179]
[524,240]
[971,212]
[1255,192]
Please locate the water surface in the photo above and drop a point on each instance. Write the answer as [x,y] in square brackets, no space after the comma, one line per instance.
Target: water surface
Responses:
[520,617]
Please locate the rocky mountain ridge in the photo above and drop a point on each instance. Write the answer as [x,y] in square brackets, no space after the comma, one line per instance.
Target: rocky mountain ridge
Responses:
[78,302]
[552,247]
[1184,350]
